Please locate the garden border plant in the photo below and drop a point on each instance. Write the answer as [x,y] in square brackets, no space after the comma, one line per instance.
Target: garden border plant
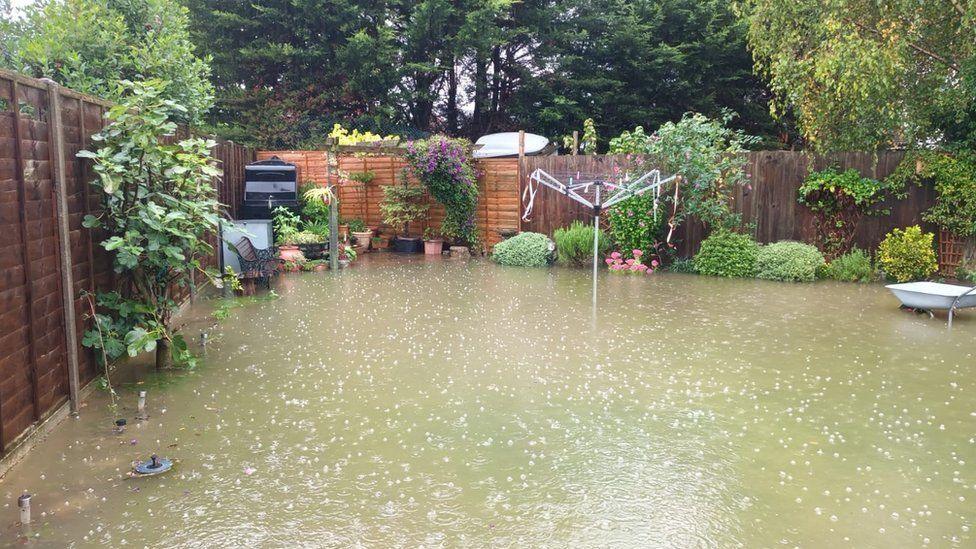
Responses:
[158,206]
[442,164]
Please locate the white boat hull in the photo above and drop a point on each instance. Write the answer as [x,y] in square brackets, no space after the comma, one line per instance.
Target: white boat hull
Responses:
[500,145]
[933,295]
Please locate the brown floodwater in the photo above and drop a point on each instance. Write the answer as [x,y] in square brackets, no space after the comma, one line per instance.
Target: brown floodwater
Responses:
[430,402]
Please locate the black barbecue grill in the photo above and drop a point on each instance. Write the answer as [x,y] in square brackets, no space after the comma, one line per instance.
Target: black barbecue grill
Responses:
[267,185]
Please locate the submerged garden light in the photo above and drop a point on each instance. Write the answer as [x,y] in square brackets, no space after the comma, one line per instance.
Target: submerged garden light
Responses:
[153,466]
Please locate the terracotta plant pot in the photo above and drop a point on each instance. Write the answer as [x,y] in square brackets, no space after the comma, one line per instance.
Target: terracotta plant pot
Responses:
[363,238]
[380,243]
[291,253]
[434,247]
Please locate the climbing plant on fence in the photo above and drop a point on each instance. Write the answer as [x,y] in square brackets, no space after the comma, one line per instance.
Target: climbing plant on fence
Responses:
[442,164]
[158,206]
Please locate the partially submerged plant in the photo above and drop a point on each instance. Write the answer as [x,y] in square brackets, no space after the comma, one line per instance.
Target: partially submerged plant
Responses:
[286,225]
[617,263]
[158,209]
[574,244]
[403,204]
[908,254]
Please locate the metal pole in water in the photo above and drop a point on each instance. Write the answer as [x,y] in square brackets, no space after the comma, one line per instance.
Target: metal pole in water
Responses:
[23,502]
[142,405]
[596,241]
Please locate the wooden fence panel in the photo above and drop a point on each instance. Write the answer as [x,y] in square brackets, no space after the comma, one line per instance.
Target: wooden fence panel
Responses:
[34,353]
[498,202]
[771,203]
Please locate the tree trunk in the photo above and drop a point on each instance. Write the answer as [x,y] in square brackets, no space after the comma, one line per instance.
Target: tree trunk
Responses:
[480,94]
[452,89]
[496,75]
[163,356]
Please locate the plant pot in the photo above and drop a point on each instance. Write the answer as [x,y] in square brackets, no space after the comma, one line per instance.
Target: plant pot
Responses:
[434,247]
[319,267]
[343,263]
[291,253]
[363,238]
[313,251]
[380,243]
[343,232]
[407,245]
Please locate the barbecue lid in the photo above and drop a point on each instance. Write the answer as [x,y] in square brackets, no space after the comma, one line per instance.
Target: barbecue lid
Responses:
[273,164]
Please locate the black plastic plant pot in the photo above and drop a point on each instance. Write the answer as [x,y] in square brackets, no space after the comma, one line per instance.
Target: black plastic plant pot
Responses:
[407,245]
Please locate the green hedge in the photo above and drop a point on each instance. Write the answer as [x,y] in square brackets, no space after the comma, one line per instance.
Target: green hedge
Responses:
[788,261]
[524,250]
[725,253]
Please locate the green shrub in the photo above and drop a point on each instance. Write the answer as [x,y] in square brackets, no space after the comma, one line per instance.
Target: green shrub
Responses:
[725,253]
[907,254]
[789,261]
[854,266]
[682,265]
[966,272]
[574,244]
[524,250]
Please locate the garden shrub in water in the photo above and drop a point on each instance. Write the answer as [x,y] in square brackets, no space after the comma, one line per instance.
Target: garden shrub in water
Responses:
[574,244]
[789,261]
[725,253]
[906,255]
[854,266]
[524,250]
[682,265]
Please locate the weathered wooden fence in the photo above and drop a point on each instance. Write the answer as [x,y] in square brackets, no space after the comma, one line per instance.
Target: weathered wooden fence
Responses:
[47,259]
[498,199]
[771,202]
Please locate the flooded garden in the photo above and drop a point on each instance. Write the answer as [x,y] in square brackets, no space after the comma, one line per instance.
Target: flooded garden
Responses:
[432,402]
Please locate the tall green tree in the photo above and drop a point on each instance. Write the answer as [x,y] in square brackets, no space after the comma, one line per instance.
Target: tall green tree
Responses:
[864,74]
[90,45]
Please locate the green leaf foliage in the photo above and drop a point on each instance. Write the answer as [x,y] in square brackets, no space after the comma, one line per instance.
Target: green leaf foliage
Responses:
[93,45]
[908,254]
[574,244]
[524,250]
[839,200]
[403,204]
[954,177]
[789,261]
[854,266]
[444,166]
[158,210]
[868,74]
[728,254]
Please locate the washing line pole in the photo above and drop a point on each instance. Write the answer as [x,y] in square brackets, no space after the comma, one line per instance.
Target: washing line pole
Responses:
[596,238]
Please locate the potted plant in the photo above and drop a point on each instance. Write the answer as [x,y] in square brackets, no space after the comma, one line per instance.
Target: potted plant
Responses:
[443,165]
[286,225]
[346,255]
[433,243]
[359,232]
[316,265]
[312,245]
[381,242]
[402,205]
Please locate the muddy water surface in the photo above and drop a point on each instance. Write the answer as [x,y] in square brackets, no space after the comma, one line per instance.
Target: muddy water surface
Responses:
[439,403]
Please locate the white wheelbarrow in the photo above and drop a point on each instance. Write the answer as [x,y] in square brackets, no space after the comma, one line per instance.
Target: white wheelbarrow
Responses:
[929,296]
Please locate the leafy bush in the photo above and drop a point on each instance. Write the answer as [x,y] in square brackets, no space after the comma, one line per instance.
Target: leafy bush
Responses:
[954,177]
[789,261]
[966,272]
[725,253]
[303,237]
[574,244]
[682,265]
[524,250]
[854,266]
[838,201]
[907,254]
[443,165]
[633,225]
[356,225]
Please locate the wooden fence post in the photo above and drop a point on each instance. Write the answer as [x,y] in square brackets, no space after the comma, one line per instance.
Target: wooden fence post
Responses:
[56,142]
[575,142]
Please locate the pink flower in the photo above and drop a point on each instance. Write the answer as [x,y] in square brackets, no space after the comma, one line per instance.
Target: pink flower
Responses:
[654,263]
[249,470]
[629,262]
[609,261]
[637,253]
[615,255]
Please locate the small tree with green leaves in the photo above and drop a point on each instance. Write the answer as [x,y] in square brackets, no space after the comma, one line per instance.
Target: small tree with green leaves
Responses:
[158,206]
[403,204]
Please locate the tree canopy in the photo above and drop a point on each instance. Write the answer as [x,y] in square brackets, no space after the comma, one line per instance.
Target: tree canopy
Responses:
[865,74]
[286,71]
[91,45]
